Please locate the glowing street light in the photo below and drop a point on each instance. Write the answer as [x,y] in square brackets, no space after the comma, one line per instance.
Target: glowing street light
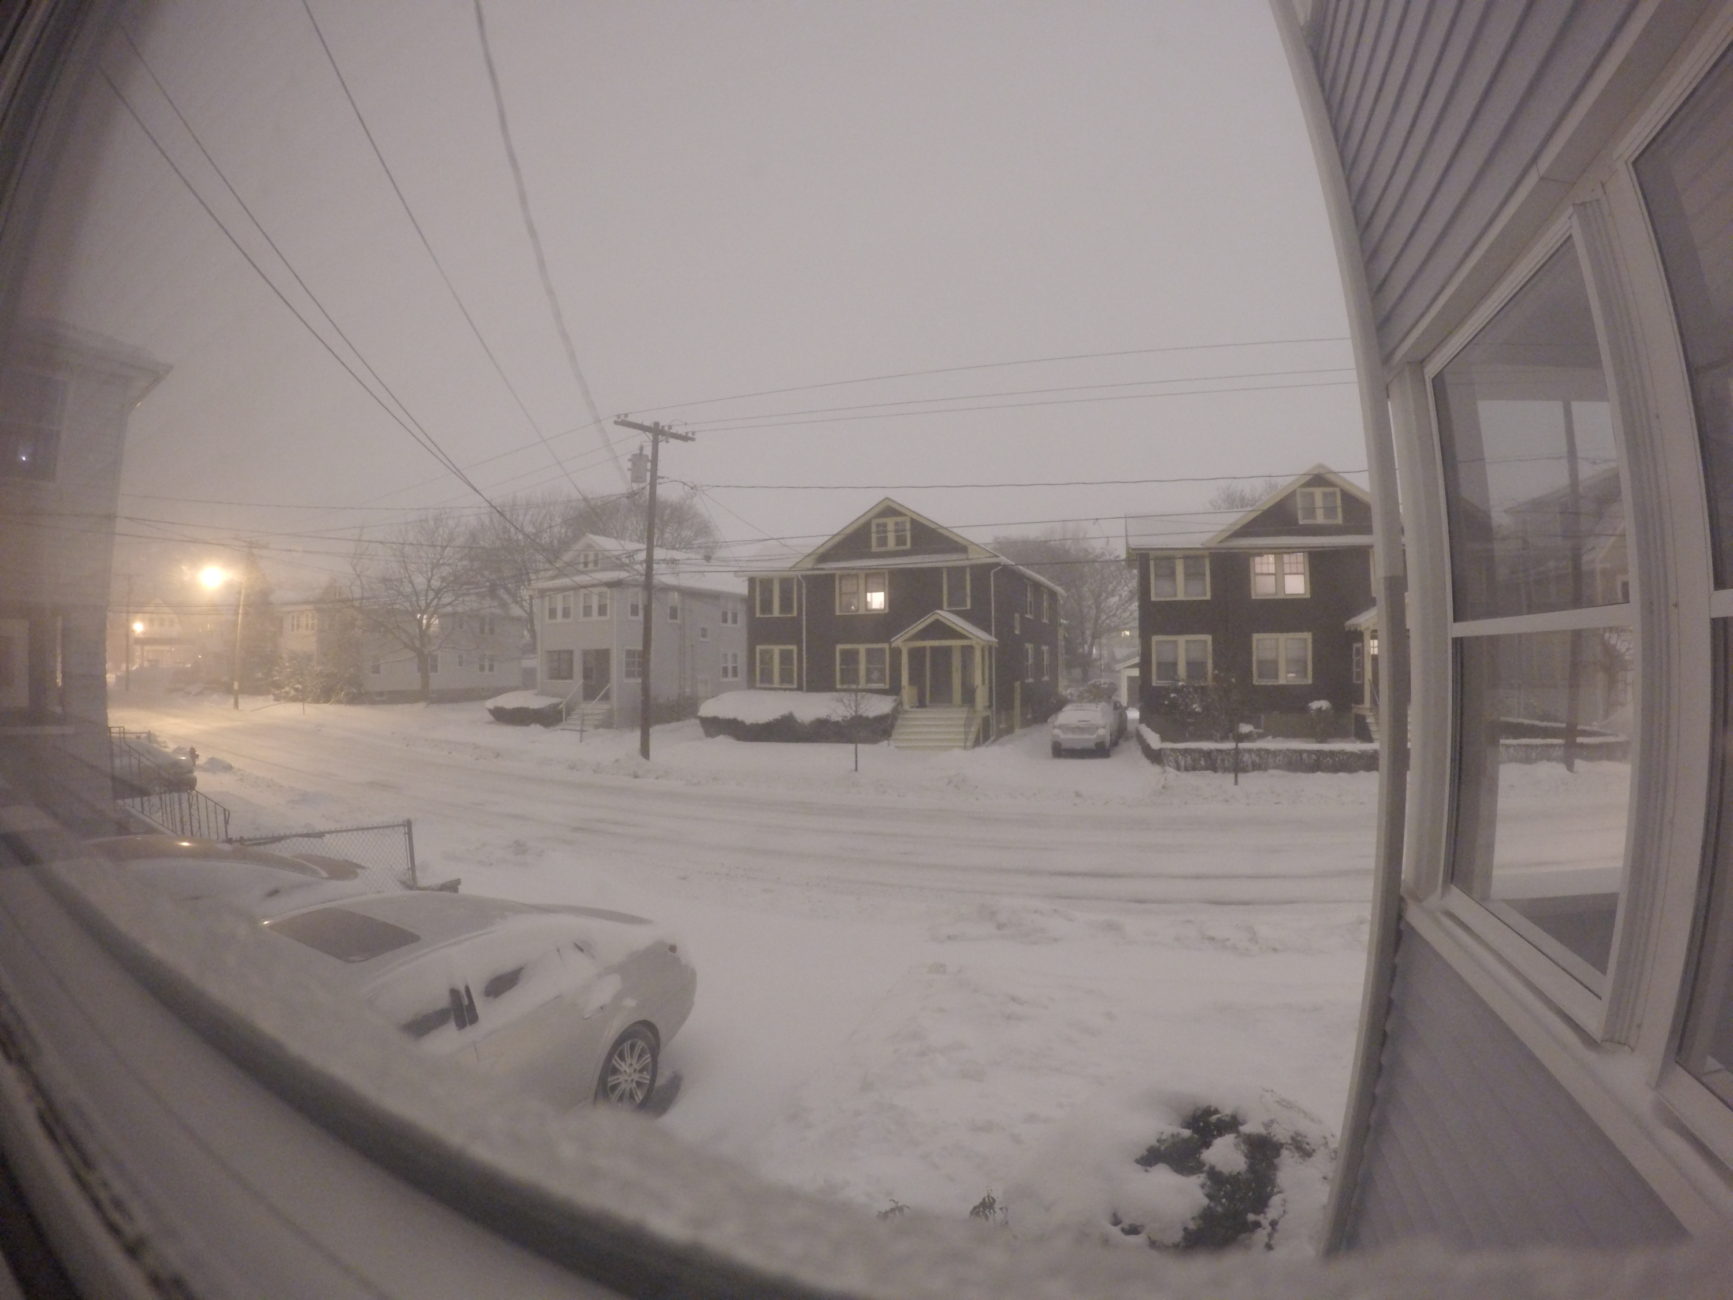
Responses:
[213,576]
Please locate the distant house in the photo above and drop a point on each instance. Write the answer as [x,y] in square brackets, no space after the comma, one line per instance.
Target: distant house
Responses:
[65,396]
[897,604]
[589,629]
[1265,598]
[474,652]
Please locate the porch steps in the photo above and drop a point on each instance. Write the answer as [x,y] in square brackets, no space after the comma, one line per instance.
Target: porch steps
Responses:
[932,728]
[589,717]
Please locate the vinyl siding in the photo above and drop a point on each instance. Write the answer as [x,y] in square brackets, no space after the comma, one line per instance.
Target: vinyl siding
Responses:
[1473,1141]
[1441,112]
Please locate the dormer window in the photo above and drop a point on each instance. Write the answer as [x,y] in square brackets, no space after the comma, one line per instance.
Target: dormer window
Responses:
[891,533]
[1319,505]
[589,559]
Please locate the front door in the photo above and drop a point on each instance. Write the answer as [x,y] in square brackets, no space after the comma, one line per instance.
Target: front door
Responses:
[595,671]
[941,685]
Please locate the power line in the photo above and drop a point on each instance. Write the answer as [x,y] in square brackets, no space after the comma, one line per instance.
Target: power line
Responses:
[1032,483]
[523,199]
[991,365]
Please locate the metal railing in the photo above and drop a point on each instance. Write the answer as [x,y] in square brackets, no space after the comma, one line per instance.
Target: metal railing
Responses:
[186,813]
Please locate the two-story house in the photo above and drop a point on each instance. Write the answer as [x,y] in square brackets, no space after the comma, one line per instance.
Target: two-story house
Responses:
[589,629]
[1272,599]
[474,652]
[897,604]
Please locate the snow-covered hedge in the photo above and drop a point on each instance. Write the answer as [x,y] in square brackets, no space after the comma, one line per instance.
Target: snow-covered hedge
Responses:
[525,709]
[1259,756]
[827,717]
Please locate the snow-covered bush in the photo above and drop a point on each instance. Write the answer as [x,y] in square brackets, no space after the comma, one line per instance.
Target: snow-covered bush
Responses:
[1175,1170]
[1323,717]
[865,717]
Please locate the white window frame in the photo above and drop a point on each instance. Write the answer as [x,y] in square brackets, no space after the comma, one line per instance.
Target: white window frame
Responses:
[1280,572]
[784,661]
[776,588]
[856,681]
[863,583]
[890,533]
[558,608]
[730,668]
[631,663]
[951,600]
[593,603]
[1180,560]
[1323,504]
[1282,640]
[1180,644]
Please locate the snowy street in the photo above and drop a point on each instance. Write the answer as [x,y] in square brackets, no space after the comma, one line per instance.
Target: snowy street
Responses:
[912,979]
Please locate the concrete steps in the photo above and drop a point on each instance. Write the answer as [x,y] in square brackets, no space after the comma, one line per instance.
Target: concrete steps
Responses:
[589,717]
[935,728]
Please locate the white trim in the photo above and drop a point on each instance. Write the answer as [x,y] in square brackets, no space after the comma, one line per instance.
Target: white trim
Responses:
[1178,558]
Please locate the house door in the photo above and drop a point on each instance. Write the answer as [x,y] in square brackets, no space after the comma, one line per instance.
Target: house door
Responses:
[941,674]
[595,674]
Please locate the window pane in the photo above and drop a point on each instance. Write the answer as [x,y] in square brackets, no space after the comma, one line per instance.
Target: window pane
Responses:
[1166,661]
[1196,576]
[1543,786]
[1266,659]
[1297,653]
[1707,1047]
[1537,521]
[1197,660]
[1687,180]
[1162,583]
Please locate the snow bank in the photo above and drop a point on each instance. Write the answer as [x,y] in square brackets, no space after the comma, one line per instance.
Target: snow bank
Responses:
[802,706]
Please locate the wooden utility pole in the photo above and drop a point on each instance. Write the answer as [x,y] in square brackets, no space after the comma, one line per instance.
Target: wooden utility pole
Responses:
[655,432]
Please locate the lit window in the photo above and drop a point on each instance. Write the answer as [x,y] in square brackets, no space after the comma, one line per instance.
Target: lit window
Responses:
[1282,574]
[861,593]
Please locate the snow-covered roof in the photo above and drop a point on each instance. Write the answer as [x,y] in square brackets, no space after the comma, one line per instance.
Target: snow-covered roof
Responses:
[1176,532]
[676,570]
[1211,528]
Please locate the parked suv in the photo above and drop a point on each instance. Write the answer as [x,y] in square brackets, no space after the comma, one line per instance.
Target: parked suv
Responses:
[1094,726]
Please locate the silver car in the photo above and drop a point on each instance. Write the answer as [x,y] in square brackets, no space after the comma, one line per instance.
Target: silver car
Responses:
[574,1004]
[1089,726]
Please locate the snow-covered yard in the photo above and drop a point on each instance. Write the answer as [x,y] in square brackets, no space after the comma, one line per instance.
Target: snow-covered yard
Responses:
[947,976]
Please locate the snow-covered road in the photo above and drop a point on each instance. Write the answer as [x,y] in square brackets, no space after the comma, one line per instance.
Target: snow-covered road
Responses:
[911,978]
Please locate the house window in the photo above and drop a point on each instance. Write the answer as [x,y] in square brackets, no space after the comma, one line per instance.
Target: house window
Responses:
[1179,577]
[1046,605]
[1046,663]
[957,588]
[731,665]
[486,664]
[1029,661]
[1282,659]
[375,667]
[1532,495]
[1282,574]
[1357,668]
[1319,505]
[777,597]
[891,533]
[1028,599]
[32,411]
[1175,659]
[861,593]
[558,664]
[433,661]
[634,606]
[488,625]
[559,607]
[862,666]
[776,665]
[589,560]
[673,607]
[703,632]
[632,664]
[593,603]
[730,613]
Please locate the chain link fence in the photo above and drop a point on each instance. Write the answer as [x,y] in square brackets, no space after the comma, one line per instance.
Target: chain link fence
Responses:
[385,854]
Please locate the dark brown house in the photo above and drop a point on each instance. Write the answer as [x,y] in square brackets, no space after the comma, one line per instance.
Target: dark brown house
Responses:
[1263,600]
[898,605]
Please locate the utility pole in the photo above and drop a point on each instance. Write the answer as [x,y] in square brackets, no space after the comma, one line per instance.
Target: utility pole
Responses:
[655,432]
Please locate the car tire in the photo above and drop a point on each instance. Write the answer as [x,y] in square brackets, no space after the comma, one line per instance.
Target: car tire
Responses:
[628,1075]
[1056,750]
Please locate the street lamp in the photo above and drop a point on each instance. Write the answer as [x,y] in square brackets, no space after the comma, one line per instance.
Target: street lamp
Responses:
[214,576]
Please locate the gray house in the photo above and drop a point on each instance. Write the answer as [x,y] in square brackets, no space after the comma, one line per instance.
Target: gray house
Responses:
[589,629]
[1531,203]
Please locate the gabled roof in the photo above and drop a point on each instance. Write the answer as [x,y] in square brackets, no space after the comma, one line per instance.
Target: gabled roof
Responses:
[973,552]
[962,625]
[1200,531]
[677,570]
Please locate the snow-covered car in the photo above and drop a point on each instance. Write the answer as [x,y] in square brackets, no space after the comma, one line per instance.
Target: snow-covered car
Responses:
[572,1004]
[1093,726]
[260,883]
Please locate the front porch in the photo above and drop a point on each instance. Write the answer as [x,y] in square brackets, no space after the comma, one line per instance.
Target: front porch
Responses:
[945,666]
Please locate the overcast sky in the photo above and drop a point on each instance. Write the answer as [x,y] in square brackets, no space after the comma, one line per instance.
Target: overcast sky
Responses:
[732,199]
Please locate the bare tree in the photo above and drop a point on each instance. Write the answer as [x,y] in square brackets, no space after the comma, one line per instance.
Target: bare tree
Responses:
[1100,588]
[523,539]
[681,524]
[411,582]
[1242,494]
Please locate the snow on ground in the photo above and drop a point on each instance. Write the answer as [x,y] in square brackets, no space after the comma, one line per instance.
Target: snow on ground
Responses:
[912,979]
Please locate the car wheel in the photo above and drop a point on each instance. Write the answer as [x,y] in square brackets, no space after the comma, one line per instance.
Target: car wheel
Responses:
[629,1074]
[1056,750]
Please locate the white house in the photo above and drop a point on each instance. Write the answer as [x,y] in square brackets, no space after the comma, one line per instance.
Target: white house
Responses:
[589,629]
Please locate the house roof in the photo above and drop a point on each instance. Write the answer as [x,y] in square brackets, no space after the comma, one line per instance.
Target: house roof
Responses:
[1208,530]
[675,570]
[962,625]
[973,552]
